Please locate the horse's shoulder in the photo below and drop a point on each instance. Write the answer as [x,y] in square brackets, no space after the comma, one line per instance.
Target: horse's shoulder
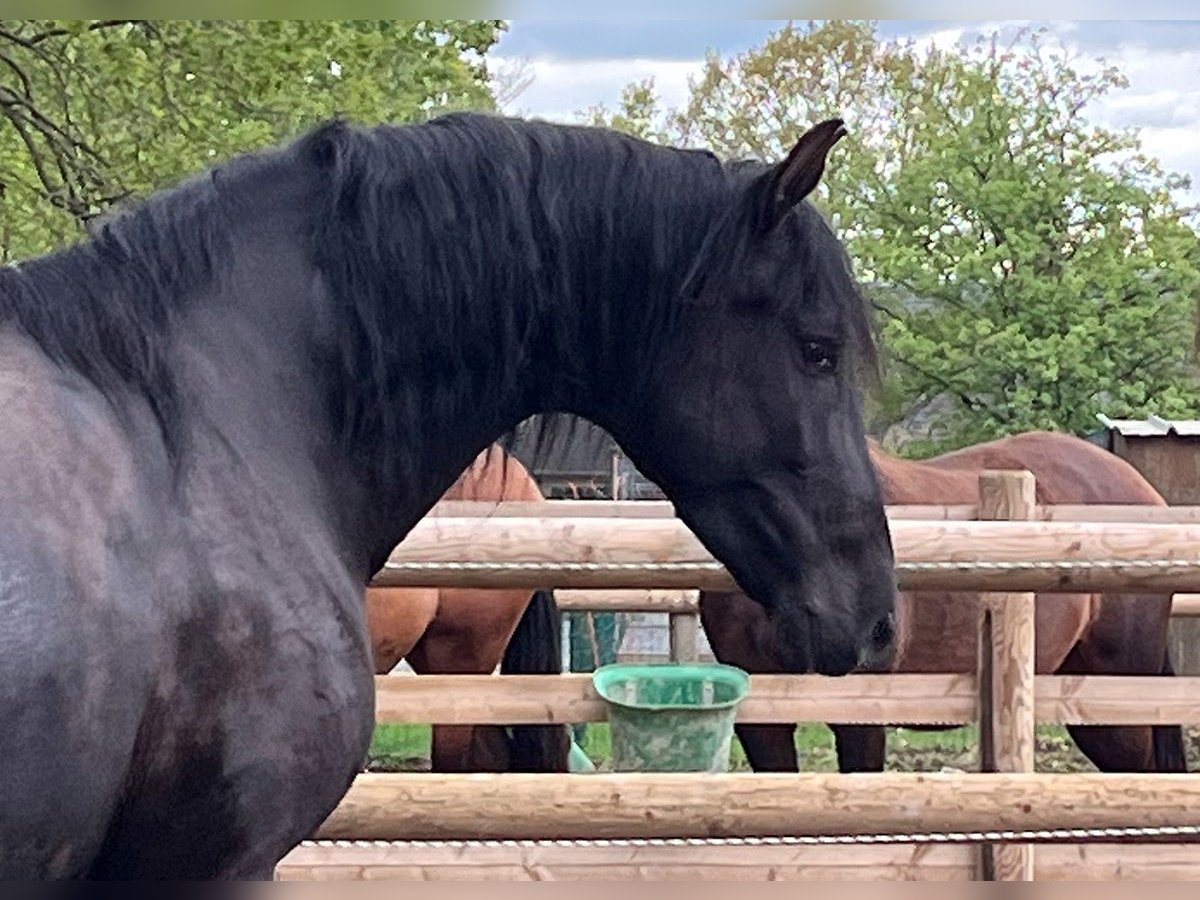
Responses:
[58,434]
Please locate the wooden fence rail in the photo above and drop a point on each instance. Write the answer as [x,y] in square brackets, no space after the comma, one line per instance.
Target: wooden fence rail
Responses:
[682,862]
[634,601]
[861,699]
[656,553]
[681,601]
[510,806]
[659,509]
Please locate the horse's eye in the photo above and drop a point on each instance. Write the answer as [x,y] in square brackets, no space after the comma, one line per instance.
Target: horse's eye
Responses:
[820,356]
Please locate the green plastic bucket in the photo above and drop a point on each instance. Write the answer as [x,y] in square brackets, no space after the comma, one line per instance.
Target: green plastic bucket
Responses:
[673,717]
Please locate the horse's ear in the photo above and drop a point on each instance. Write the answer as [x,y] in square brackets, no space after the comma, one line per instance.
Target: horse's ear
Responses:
[798,176]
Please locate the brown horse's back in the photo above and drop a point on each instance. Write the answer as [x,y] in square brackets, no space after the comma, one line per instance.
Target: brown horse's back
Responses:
[1067,469]
[494,475]
[398,618]
[939,628]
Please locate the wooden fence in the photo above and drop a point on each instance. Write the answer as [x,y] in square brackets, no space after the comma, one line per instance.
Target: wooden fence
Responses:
[1047,556]
[785,826]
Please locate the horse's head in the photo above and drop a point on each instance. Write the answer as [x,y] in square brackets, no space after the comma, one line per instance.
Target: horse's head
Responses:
[748,417]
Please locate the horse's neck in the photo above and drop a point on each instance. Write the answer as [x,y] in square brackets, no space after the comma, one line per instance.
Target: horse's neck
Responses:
[560,315]
[494,330]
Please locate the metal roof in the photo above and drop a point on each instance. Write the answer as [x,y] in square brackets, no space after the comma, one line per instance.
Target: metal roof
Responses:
[1152,426]
[584,450]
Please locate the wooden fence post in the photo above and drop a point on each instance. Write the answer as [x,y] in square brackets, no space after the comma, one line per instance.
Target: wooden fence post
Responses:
[684,636]
[1007,738]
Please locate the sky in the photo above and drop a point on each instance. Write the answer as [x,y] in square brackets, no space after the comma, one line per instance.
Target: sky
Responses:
[578,64]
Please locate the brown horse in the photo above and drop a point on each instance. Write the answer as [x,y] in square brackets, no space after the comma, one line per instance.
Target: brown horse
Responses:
[1109,634]
[454,631]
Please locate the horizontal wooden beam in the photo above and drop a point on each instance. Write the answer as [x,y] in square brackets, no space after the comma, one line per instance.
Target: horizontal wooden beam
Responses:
[1063,512]
[862,699]
[1186,605]
[1118,862]
[680,862]
[1117,699]
[959,512]
[681,601]
[619,862]
[592,553]
[493,575]
[554,509]
[648,601]
[606,805]
[538,699]
[1098,512]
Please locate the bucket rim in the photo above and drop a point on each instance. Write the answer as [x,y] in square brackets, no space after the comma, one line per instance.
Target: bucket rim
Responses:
[738,679]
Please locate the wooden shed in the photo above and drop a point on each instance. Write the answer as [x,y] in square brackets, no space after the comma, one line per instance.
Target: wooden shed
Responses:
[1167,454]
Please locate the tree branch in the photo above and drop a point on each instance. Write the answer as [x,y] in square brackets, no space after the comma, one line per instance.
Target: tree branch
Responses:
[969,402]
[100,25]
[26,84]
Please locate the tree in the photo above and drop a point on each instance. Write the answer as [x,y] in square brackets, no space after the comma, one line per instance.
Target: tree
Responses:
[1030,268]
[93,111]
[638,113]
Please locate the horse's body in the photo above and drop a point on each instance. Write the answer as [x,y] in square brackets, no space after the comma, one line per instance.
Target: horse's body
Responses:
[220,413]
[1110,634]
[460,631]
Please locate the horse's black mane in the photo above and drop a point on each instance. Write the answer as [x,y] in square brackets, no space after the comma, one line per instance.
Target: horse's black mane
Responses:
[513,234]
[105,306]
[517,234]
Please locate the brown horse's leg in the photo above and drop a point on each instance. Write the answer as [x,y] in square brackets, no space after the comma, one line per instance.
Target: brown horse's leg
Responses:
[740,634]
[468,637]
[860,748]
[1127,637]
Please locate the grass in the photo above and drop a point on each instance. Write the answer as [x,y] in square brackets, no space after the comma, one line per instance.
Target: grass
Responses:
[407,747]
[398,746]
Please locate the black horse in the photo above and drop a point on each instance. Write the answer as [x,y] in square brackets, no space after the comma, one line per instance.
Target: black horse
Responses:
[221,412]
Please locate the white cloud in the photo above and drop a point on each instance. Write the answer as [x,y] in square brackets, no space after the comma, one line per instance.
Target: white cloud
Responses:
[1162,102]
[562,88]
